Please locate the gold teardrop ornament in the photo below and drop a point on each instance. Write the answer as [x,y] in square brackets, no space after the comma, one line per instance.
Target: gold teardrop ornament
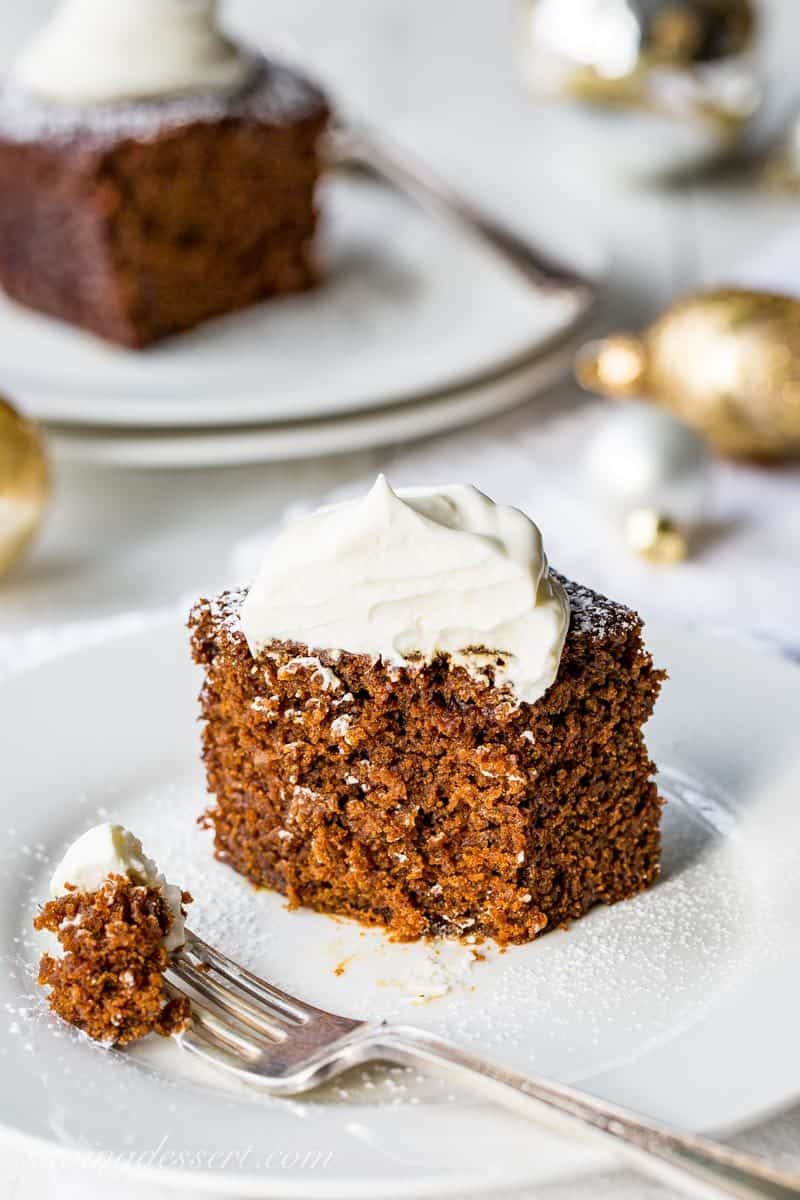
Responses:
[726,362]
[656,537]
[24,484]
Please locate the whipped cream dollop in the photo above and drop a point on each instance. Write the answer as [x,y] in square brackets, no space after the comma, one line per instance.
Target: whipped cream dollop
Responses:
[113,850]
[110,51]
[416,572]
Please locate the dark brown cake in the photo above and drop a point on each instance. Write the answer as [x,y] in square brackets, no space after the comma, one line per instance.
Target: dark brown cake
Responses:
[141,220]
[423,798]
[109,981]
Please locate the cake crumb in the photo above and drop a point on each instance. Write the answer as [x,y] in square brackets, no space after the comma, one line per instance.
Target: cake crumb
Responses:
[109,982]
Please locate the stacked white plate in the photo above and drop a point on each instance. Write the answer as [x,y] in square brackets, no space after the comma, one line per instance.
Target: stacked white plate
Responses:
[415,330]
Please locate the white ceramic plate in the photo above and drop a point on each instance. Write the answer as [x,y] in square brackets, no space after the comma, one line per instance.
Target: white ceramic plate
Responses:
[681,1003]
[409,308]
[303,439]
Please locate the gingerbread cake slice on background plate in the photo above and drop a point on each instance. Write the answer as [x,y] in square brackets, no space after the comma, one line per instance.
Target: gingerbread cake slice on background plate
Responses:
[153,174]
[412,721]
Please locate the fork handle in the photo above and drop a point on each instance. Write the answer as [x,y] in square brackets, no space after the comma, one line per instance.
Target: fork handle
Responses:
[695,1165]
[351,146]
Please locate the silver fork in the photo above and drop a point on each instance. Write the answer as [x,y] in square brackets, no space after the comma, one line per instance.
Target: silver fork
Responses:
[251,1029]
[358,148]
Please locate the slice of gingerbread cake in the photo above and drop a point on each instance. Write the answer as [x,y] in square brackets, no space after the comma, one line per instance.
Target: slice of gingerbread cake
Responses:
[154,173]
[411,720]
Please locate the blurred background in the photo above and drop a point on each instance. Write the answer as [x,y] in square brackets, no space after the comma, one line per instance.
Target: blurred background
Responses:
[449,81]
[655,207]
[445,79]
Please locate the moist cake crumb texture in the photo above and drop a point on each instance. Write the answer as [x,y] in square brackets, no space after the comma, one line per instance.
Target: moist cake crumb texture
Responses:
[109,981]
[425,798]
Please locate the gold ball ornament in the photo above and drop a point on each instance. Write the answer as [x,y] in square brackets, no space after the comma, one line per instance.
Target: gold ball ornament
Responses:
[24,484]
[726,362]
[678,71]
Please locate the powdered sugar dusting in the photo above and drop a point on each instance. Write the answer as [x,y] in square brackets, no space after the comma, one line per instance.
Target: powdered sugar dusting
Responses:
[277,96]
[596,615]
[223,611]
[618,982]
[443,969]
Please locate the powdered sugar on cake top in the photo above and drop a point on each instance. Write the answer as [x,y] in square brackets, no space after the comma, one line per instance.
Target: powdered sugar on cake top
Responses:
[596,615]
[277,96]
[224,611]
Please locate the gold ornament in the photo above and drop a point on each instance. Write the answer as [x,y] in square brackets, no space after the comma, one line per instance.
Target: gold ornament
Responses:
[781,171]
[24,484]
[656,537]
[684,60]
[726,362]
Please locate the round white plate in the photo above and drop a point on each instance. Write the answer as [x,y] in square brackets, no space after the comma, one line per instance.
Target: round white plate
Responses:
[304,439]
[408,308]
[681,1003]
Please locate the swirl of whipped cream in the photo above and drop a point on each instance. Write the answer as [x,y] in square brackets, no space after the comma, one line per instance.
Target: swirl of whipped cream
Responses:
[111,51]
[417,572]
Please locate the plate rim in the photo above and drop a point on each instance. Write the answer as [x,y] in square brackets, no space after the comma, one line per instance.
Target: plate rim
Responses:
[349,432]
[588,258]
[257,1187]
[38,402]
